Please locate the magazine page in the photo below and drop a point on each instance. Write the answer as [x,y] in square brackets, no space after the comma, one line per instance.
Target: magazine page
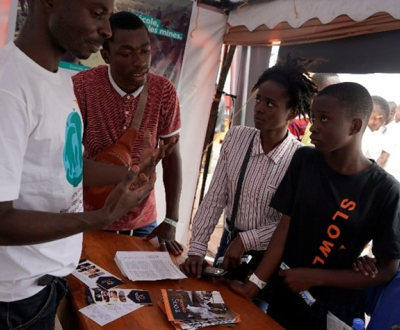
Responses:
[197,308]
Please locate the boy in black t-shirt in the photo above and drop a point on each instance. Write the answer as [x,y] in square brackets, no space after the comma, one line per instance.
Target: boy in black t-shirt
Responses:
[334,201]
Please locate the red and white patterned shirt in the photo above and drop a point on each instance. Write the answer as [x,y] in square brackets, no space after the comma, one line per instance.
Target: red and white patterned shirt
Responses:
[107,112]
[254,217]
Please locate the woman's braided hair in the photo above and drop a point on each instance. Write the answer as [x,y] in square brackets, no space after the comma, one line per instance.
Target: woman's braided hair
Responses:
[293,74]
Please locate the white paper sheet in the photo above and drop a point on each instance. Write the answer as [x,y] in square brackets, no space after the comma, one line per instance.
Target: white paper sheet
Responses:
[334,323]
[147,266]
[103,314]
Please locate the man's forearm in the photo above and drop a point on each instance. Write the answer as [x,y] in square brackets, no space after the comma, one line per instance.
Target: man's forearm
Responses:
[99,174]
[172,178]
[22,227]
[349,279]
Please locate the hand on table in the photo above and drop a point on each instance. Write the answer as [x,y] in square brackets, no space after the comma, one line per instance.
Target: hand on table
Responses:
[166,237]
[193,266]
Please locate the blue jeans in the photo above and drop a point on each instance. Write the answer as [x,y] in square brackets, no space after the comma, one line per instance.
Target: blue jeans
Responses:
[145,230]
[34,313]
[138,232]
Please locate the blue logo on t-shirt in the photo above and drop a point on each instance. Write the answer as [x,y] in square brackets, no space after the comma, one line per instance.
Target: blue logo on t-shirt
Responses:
[73,160]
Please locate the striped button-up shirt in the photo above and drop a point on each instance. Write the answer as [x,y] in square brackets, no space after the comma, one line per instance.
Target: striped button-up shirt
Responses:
[264,172]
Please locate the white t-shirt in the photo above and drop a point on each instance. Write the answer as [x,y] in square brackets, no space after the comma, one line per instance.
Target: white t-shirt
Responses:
[391,145]
[371,144]
[41,166]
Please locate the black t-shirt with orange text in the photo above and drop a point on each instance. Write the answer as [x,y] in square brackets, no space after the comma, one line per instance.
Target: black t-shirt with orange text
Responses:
[333,216]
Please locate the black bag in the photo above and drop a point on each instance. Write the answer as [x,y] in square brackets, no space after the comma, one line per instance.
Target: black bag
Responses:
[242,271]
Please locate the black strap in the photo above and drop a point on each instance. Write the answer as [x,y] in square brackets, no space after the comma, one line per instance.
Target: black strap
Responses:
[231,224]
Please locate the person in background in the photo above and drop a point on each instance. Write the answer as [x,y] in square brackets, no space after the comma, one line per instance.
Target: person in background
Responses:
[324,229]
[390,121]
[372,139]
[284,91]
[108,96]
[42,167]
[321,80]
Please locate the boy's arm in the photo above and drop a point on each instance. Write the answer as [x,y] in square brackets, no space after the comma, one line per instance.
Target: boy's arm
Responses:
[269,263]
[300,279]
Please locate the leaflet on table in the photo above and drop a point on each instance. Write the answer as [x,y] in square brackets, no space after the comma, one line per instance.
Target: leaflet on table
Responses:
[334,323]
[119,296]
[147,266]
[93,275]
[196,309]
[103,314]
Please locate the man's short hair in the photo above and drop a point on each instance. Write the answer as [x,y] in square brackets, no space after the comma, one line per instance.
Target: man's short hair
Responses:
[320,78]
[383,105]
[123,20]
[352,96]
[392,106]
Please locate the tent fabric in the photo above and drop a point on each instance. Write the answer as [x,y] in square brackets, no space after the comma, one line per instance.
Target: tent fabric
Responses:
[311,31]
[195,90]
[298,12]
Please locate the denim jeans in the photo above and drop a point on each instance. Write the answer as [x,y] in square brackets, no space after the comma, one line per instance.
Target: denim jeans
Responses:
[34,313]
[138,232]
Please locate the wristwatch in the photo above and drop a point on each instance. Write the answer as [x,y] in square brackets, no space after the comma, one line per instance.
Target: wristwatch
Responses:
[254,279]
[171,222]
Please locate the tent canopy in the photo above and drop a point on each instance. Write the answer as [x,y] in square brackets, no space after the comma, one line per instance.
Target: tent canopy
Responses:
[305,21]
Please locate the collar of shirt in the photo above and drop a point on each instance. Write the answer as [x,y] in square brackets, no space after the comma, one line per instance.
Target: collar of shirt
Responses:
[276,154]
[119,90]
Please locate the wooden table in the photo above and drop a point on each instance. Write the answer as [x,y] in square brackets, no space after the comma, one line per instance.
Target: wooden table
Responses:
[100,248]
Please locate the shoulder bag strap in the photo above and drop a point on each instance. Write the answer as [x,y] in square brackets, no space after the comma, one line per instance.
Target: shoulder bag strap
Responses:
[239,185]
[137,119]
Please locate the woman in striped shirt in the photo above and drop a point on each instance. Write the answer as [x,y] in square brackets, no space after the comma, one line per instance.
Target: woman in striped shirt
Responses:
[283,92]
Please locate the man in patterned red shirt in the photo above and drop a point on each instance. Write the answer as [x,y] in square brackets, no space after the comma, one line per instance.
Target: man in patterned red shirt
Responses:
[108,97]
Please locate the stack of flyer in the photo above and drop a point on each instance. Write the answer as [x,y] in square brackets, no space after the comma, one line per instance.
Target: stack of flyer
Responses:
[147,266]
[190,310]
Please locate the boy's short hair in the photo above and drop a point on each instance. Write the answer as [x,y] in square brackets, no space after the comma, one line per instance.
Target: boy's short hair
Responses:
[352,96]
[124,20]
[383,105]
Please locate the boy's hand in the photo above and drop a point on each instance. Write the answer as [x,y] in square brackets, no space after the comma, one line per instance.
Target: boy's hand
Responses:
[233,254]
[366,266]
[298,279]
[248,290]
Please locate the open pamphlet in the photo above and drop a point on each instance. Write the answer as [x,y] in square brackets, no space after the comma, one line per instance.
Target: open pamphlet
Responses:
[147,266]
[191,310]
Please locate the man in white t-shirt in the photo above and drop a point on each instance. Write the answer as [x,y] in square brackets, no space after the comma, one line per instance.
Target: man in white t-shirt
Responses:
[41,164]
[371,144]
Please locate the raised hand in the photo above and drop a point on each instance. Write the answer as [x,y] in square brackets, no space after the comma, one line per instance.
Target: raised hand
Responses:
[123,198]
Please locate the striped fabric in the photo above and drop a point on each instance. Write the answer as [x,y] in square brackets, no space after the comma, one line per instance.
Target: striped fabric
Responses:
[263,175]
[107,112]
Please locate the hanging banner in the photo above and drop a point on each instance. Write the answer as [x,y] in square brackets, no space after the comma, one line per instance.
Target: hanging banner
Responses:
[168,24]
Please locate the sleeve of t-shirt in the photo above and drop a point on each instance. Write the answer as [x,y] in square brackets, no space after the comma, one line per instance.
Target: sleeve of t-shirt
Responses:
[391,141]
[15,129]
[170,122]
[386,241]
[284,197]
